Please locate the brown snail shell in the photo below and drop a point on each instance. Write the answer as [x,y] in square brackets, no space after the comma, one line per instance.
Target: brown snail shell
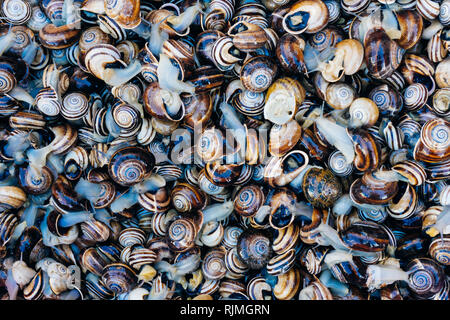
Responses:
[321,188]
[307,16]
[370,190]
[282,138]
[290,53]
[433,145]
[258,73]
[254,248]
[186,198]
[62,37]
[181,234]
[248,200]
[118,277]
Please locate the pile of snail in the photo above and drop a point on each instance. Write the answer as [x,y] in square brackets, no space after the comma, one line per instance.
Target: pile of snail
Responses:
[224,149]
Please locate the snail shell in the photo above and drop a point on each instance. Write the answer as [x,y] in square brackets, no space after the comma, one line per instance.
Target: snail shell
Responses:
[439,250]
[287,285]
[433,145]
[286,239]
[58,37]
[259,289]
[370,190]
[254,248]
[130,165]
[415,96]
[35,184]
[425,277]
[131,236]
[247,36]
[428,9]
[258,73]
[125,12]
[309,16]
[382,55]
[340,95]
[11,198]
[411,27]
[181,234]
[281,263]
[365,236]
[213,265]
[186,198]
[283,99]
[441,102]
[27,121]
[321,188]
[248,200]
[289,52]
[388,100]
[118,278]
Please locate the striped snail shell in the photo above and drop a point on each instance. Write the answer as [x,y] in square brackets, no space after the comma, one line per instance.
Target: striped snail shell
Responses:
[393,136]
[118,278]
[48,102]
[35,185]
[367,150]
[334,10]
[249,103]
[434,143]
[127,118]
[258,73]
[158,201]
[26,121]
[287,284]
[411,170]
[428,9]
[306,16]
[111,27]
[259,289]
[404,204]
[8,106]
[170,172]
[441,102]
[16,12]
[187,198]
[439,249]
[415,96]
[207,186]
[382,55]
[91,37]
[235,267]
[37,19]
[131,236]
[146,133]
[125,12]
[93,261]
[435,48]
[205,43]
[388,100]
[289,52]
[231,236]
[11,198]
[340,95]
[58,37]
[213,264]
[34,290]
[371,190]
[94,231]
[442,78]
[444,13]
[254,248]
[375,215]
[312,259]
[326,38]
[130,165]
[247,37]
[74,106]
[338,164]
[315,291]
[97,155]
[141,256]
[211,233]
[181,234]
[286,239]
[354,6]
[7,79]
[8,223]
[248,200]
[224,54]
[282,263]
[425,277]
[76,162]
[219,13]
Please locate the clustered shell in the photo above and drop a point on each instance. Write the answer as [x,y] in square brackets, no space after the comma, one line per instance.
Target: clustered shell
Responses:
[224,149]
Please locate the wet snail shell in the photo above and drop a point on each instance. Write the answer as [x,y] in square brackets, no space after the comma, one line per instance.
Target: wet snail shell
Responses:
[11,198]
[280,171]
[259,289]
[282,138]
[231,236]
[247,36]
[365,236]
[130,165]
[367,150]
[159,103]
[388,100]
[125,12]
[93,261]
[426,277]
[282,204]
[289,52]
[439,249]
[281,264]
[27,121]
[236,269]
